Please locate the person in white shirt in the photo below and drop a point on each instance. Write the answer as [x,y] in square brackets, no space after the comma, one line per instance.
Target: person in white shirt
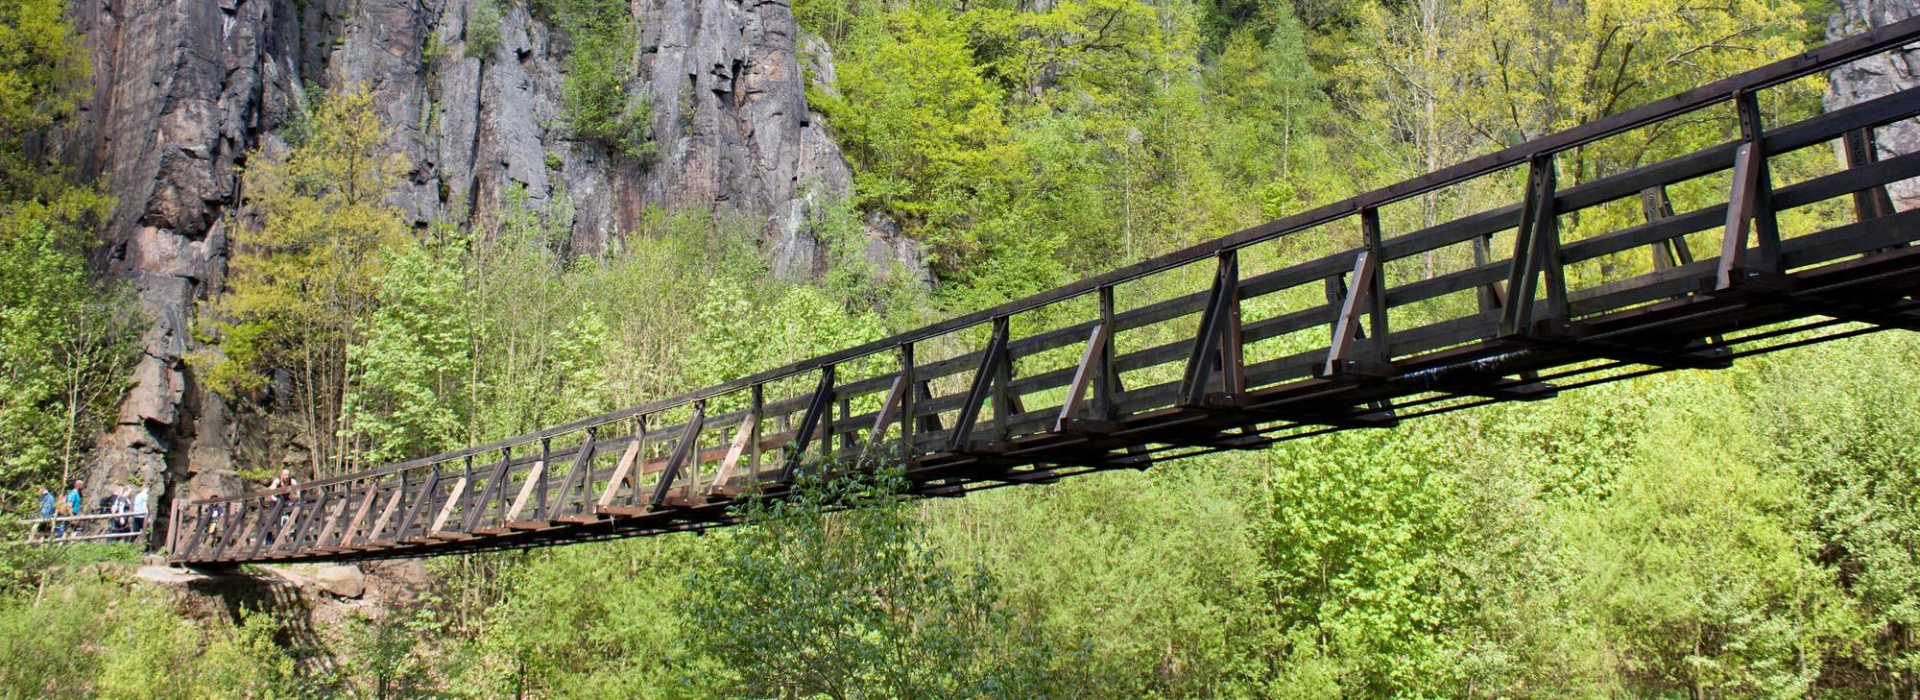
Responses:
[140,510]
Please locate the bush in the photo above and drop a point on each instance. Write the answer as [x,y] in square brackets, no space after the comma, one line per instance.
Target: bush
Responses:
[595,102]
[483,29]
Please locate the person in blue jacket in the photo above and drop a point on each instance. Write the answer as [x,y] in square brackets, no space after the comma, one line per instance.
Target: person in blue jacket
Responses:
[46,507]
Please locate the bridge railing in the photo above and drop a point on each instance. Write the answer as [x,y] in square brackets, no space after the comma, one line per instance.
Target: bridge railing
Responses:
[1239,323]
[105,527]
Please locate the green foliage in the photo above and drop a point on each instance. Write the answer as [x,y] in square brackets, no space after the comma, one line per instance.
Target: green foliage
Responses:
[66,350]
[91,634]
[808,602]
[483,29]
[67,342]
[304,280]
[41,65]
[386,659]
[596,100]
[1842,418]
[1741,534]
[589,622]
[412,359]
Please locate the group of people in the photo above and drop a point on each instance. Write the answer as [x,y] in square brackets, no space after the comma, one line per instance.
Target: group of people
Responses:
[133,509]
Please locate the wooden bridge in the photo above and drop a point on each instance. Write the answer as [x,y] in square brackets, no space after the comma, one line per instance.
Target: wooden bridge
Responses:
[1233,344]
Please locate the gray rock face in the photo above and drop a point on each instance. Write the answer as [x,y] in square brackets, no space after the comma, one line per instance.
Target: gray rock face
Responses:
[184,90]
[1881,75]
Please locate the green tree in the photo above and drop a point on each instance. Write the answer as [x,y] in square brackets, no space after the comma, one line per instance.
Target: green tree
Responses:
[66,341]
[1843,417]
[302,281]
[411,363]
[809,602]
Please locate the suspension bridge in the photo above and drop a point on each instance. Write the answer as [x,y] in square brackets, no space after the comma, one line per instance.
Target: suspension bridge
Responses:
[1237,343]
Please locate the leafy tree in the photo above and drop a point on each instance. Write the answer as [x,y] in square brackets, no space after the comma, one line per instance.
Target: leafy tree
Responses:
[925,126]
[41,67]
[1842,418]
[809,602]
[66,348]
[66,341]
[411,363]
[303,280]
[483,29]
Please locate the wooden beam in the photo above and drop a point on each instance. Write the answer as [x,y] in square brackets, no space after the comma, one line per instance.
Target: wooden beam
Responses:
[359,515]
[453,500]
[1346,326]
[817,408]
[492,489]
[620,471]
[983,381]
[1083,375]
[688,438]
[749,428]
[534,477]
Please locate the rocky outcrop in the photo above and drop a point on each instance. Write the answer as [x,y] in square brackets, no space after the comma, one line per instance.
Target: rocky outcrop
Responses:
[185,89]
[1879,76]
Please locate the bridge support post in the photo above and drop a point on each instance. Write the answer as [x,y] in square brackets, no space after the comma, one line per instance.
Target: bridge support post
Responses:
[1536,252]
[909,405]
[818,407]
[689,436]
[1216,350]
[1749,205]
[984,378]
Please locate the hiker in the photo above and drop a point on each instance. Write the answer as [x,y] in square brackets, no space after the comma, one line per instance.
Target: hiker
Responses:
[284,481]
[117,504]
[46,510]
[74,501]
[140,510]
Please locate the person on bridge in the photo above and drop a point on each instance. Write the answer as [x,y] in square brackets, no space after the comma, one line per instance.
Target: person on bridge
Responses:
[46,509]
[74,500]
[284,481]
[116,503]
[140,510]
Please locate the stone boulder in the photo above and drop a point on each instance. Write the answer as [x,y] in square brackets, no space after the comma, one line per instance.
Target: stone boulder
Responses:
[341,581]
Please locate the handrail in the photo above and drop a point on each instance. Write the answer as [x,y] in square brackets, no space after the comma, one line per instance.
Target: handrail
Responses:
[1823,58]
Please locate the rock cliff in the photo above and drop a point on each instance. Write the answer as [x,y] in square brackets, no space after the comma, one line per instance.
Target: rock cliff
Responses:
[184,89]
[1882,75]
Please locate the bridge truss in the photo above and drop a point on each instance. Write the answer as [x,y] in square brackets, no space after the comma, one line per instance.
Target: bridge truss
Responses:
[1262,339]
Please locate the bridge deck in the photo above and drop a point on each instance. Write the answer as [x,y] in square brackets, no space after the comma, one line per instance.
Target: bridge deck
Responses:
[1250,347]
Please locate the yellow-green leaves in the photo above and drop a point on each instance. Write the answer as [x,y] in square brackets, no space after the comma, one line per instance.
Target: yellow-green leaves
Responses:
[302,280]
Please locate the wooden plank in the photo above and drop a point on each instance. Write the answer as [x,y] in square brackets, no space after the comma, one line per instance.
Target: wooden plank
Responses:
[526,491]
[1346,324]
[881,418]
[428,490]
[1083,374]
[689,437]
[386,517]
[493,490]
[620,474]
[577,480]
[359,516]
[738,448]
[446,511]
[344,505]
